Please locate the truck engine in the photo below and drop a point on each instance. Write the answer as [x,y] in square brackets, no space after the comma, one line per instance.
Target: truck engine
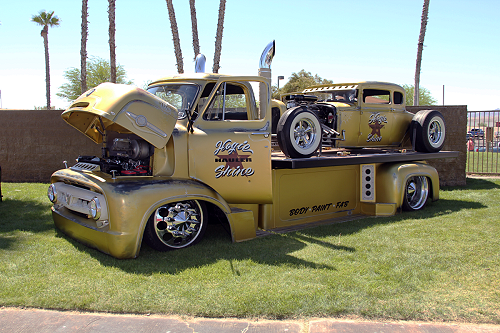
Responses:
[122,155]
[326,114]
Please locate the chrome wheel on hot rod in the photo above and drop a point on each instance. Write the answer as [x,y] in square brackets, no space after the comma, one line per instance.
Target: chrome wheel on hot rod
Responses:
[416,192]
[176,225]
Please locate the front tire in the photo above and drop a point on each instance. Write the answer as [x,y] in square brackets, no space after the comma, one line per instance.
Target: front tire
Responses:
[176,225]
[430,131]
[299,133]
[416,193]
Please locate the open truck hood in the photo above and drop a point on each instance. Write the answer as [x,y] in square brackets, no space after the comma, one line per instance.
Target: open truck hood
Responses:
[123,109]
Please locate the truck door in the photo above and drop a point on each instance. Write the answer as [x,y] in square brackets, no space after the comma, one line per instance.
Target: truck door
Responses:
[377,118]
[230,147]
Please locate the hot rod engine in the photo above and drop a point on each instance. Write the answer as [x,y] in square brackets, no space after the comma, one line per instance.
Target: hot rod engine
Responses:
[123,155]
[325,112]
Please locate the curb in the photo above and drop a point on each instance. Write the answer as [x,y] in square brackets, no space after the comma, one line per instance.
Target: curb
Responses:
[36,320]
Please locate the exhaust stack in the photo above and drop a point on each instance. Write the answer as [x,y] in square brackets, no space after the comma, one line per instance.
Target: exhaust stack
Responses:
[199,65]
[265,71]
[266,58]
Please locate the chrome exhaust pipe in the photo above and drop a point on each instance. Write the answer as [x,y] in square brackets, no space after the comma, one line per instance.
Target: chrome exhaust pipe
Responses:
[265,61]
[267,55]
[265,71]
[199,64]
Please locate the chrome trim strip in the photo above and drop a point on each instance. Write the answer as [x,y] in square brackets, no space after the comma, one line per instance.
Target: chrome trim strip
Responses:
[142,121]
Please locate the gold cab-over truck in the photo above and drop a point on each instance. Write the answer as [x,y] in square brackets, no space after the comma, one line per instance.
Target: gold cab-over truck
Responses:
[207,148]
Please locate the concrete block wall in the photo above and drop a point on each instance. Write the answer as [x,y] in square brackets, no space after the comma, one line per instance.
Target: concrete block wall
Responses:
[34,144]
[451,171]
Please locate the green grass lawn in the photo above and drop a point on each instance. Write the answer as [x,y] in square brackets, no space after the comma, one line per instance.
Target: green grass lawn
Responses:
[439,264]
[483,162]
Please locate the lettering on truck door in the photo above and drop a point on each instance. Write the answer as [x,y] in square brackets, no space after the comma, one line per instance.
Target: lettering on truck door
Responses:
[230,148]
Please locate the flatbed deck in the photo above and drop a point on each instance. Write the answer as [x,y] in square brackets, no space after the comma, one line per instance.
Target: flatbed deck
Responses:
[336,157]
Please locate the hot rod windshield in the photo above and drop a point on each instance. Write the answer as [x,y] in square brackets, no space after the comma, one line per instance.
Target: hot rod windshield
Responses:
[343,96]
[181,96]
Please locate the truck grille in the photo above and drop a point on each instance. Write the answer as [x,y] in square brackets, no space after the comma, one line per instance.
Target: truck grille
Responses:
[77,199]
[82,166]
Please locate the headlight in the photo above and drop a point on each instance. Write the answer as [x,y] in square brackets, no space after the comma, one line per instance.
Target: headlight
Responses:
[95,209]
[51,193]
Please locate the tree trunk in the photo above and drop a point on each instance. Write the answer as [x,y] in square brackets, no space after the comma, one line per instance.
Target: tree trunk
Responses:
[83,49]
[194,28]
[218,37]
[423,27]
[45,35]
[175,36]
[112,46]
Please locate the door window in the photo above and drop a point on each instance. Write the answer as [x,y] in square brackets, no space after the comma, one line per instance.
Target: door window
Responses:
[376,96]
[229,103]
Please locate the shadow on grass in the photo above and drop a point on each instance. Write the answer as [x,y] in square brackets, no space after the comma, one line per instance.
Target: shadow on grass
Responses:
[27,215]
[274,250]
[433,209]
[22,215]
[216,246]
[475,184]
[6,242]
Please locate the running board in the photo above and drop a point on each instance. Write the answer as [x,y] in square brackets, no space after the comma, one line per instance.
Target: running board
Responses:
[282,230]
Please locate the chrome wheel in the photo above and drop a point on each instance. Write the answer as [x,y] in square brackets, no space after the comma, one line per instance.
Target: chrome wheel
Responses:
[416,193]
[436,132]
[304,133]
[176,225]
[299,133]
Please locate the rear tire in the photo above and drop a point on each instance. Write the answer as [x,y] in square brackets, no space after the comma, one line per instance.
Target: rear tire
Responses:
[429,129]
[416,193]
[299,133]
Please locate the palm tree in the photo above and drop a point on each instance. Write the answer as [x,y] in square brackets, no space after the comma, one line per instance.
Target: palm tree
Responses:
[218,37]
[112,46]
[46,20]
[423,27]
[194,27]
[83,49]
[175,36]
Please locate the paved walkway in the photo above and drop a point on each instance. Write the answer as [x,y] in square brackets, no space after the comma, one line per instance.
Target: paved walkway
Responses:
[41,321]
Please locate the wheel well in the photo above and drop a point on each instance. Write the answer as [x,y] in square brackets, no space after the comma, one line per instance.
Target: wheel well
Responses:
[217,216]
[431,189]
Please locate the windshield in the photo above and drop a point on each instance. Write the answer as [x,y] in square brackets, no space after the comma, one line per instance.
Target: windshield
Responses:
[343,96]
[181,96]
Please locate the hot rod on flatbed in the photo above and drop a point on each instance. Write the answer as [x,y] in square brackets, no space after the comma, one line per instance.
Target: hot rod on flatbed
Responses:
[196,149]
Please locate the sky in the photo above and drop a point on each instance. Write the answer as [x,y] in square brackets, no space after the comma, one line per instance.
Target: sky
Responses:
[343,41]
